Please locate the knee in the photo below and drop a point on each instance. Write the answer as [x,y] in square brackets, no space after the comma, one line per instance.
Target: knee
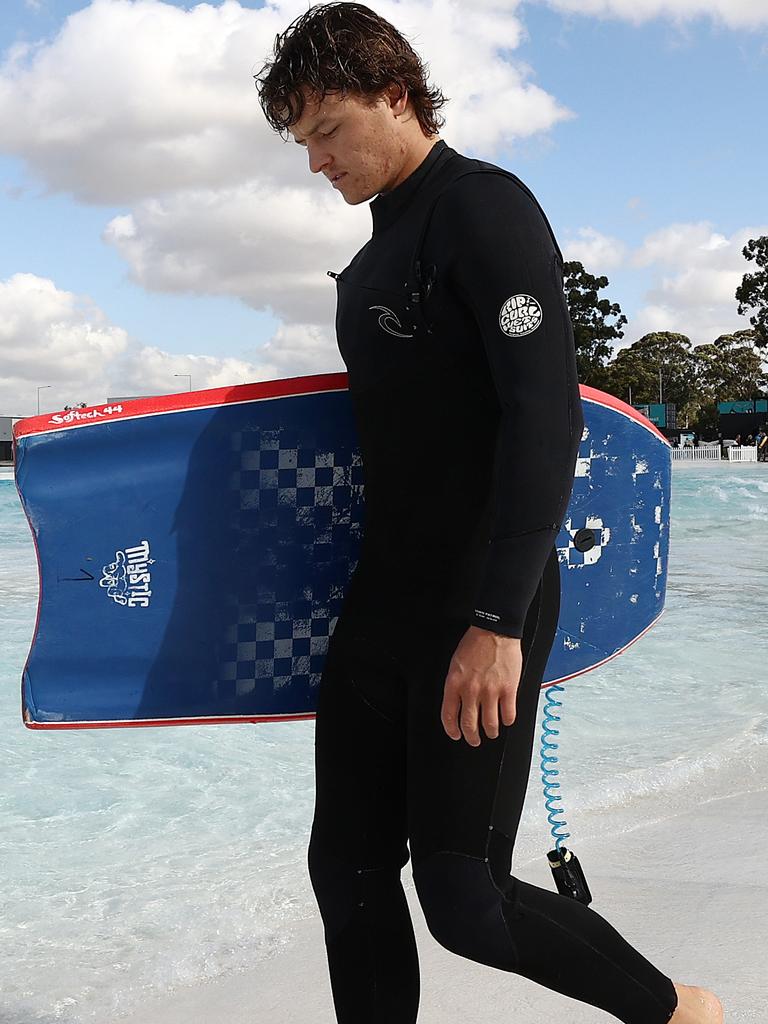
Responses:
[335,883]
[463,908]
[344,885]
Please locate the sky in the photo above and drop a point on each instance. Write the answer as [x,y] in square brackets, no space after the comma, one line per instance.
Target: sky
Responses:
[153,225]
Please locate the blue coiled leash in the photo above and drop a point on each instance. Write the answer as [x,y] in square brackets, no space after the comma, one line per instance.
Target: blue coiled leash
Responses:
[567,872]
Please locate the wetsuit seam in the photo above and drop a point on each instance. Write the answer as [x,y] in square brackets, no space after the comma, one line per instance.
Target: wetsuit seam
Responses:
[553,527]
[364,699]
[572,935]
[540,592]
[433,853]
[504,899]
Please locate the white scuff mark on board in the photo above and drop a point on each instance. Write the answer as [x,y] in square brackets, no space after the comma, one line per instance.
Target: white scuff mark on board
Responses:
[657,556]
[641,466]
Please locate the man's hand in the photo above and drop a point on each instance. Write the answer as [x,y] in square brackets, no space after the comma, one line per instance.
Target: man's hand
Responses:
[483,676]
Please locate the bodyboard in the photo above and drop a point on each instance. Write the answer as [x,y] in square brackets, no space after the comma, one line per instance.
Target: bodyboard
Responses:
[194,550]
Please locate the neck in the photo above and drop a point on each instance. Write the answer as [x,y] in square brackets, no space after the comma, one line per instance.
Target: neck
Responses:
[415,156]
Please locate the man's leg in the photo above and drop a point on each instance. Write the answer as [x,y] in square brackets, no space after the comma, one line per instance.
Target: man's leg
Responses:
[464,806]
[358,842]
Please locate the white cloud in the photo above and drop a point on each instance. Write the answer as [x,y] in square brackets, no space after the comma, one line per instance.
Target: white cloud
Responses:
[144,103]
[596,251]
[139,98]
[49,336]
[697,271]
[269,247]
[53,333]
[732,13]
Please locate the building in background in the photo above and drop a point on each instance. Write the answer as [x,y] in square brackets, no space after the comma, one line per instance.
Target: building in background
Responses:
[662,414]
[742,418]
[6,437]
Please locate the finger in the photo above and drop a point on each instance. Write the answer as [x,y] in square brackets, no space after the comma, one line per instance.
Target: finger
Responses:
[468,720]
[491,718]
[449,713]
[508,702]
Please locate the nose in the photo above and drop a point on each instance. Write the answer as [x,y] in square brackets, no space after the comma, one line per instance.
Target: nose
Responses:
[318,159]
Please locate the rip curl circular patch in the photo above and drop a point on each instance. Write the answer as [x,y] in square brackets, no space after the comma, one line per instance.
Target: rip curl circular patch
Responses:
[520,314]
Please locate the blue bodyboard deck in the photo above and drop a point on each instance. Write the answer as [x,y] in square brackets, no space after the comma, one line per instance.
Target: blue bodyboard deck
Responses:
[194,550]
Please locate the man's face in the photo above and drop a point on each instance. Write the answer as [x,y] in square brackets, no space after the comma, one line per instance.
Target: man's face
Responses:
[348,137]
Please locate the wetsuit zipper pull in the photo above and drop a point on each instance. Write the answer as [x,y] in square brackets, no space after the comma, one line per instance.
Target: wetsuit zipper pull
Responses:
[416,296]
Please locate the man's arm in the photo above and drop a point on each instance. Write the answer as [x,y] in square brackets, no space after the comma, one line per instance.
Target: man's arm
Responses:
[506,266]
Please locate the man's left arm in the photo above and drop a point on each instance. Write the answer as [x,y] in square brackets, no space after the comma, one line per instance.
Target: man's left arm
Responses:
[506,266]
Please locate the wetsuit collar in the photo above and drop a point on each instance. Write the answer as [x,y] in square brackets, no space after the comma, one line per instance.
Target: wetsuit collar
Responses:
[388,206]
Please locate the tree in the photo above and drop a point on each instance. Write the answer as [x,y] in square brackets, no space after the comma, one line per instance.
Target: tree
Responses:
[637,367]
[730,368]
[589,316]
[752,293]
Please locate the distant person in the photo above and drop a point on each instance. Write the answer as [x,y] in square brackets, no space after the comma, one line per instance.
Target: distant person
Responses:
[428,700]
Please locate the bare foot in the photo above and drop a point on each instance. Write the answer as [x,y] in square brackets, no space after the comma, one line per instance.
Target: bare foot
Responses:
[696,1006]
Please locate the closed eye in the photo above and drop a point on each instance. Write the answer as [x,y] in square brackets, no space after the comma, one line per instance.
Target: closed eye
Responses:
[325,135]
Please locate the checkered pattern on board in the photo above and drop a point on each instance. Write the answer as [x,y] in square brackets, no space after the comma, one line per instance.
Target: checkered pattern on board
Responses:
[304,504]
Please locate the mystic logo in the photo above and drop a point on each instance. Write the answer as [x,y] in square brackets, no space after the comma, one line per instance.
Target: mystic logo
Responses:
[386,320]
[127,580]
[75,415]
[521,314]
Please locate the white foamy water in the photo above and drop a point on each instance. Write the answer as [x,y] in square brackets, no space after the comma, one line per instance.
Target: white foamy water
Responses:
[134,861]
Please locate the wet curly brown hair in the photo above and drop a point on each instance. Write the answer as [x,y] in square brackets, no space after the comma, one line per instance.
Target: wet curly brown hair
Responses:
[343,47]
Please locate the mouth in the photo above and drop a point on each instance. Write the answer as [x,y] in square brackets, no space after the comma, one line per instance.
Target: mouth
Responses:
[337,177]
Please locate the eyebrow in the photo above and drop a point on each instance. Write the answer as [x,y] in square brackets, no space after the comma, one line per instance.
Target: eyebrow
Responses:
[320,123]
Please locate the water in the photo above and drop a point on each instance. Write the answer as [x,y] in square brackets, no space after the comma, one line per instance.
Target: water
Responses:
[134,861]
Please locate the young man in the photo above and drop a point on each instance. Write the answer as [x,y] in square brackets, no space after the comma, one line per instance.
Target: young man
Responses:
[455,332]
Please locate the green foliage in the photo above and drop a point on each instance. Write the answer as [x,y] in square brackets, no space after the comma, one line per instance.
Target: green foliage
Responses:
[730,368]
[752,293]
[589,317]
[695,379]
[638,366]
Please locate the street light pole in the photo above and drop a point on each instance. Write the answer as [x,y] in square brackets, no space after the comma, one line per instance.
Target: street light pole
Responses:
[188,375]
[661,400]
[42,386]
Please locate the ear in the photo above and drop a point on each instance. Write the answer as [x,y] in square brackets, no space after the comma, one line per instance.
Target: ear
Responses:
[398,101]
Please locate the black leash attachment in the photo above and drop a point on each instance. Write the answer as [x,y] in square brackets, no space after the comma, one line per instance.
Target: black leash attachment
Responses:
[569,875]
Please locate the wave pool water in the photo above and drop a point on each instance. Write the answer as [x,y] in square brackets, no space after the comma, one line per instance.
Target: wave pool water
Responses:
[135,861]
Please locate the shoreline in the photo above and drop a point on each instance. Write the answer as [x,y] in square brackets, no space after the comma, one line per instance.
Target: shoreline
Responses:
[687,891]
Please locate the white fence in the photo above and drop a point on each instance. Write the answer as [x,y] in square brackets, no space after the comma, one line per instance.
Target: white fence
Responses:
[745,453]
[703,452]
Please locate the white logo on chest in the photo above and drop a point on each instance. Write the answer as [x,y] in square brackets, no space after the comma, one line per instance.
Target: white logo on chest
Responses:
[521,314]
[388,321]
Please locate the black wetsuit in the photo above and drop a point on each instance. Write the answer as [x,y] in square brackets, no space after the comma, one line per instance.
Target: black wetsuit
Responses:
[455,331]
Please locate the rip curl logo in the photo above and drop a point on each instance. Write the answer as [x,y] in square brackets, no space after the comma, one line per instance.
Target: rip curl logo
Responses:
[520,314]
[386,320]
[127,580]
